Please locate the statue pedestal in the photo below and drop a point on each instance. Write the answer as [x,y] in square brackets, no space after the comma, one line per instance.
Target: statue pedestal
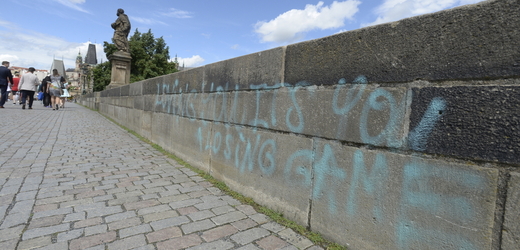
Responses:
[120,69]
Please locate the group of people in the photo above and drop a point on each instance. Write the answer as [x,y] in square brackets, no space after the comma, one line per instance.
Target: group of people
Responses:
[52,87]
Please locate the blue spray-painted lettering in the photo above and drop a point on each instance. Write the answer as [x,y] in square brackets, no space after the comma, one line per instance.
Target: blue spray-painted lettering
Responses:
[418,138]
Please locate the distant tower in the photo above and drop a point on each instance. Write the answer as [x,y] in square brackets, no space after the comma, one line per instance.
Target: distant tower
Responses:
[79,61]
[91,57]
[176,62]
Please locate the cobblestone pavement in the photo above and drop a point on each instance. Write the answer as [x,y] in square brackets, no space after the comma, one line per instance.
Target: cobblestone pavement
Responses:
[71,179]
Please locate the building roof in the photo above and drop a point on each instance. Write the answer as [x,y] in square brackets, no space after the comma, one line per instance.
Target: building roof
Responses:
[58,64]
[91,57]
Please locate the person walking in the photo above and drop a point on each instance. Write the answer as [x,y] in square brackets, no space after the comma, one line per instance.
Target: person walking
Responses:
[14,87]
[6,77]
[55,88]
[46,95]
[28,86]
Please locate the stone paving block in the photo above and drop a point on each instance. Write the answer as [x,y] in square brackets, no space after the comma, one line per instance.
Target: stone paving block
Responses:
[103,198]
[34,243]
[58,199]
[197,226]
[10,244]
[140,204]
[134,193]
[47,213]
[180,242]
[271,242]
[75,216]
[210,205]
[46,221]
[90,241]
[42,231]
[161,224]
[73,234]
[273,227]
[88,222]
[11,233]
[222,210]
[295,239]
[96,193]
[104,211]
[201,215]
[23,207]
[198,194]
[98,229]
[124,223]
[246,237]
[260,218]
[219,232]
[220,244]
[14,219]
[120,216]
[244,224]
[184,203]
[159,216]
[56,246]
[187,210]
[229,217]
[77,202]
[150,196]
[154,209]
[163,234]
[144,228]
[128,243]
[249,247]
[246,209]
[30,195]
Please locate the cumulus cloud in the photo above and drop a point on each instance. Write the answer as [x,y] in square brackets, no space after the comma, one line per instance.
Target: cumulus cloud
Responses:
[33,49]
[393,10]
[193,61]
[292,25]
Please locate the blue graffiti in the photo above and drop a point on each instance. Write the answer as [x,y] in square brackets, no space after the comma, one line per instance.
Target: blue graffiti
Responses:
[418,137]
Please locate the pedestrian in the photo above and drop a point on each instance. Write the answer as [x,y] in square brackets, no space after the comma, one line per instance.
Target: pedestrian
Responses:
[14,88]
[28,86]
[46,101]
[65,95]
[6,77]
[55,88]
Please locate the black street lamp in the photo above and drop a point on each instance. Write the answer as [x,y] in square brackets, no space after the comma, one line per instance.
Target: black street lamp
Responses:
[84,68]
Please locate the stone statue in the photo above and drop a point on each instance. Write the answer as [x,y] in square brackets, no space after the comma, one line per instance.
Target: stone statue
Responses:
[121,30]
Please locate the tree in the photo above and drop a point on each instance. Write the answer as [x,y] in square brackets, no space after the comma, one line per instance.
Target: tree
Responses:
[150,58]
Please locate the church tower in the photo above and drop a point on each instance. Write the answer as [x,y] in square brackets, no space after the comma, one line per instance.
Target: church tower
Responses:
[79,61]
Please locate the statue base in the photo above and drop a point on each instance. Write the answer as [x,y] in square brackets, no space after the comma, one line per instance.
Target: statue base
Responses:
[120,69]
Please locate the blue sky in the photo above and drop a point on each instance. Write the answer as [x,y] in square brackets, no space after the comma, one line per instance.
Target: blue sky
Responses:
[199,32]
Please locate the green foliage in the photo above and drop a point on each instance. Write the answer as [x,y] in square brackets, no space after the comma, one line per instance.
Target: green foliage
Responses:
[150,58]
[101,74]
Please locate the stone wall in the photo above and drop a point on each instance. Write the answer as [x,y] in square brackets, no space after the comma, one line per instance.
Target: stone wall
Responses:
[404,135]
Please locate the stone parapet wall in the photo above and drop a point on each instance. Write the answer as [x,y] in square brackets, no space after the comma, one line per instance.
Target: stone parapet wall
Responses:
[404,135]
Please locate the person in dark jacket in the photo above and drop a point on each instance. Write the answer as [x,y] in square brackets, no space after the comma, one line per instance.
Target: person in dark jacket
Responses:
[6,77]
[46,96]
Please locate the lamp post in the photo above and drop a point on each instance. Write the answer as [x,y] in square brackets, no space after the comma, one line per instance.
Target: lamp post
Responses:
[85,71]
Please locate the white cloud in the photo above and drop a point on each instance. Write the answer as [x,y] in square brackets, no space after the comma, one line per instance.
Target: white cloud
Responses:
[146,21]
[292,25]
[177,13]
[393,10]
[34,49]
[73,4]
[193,61]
